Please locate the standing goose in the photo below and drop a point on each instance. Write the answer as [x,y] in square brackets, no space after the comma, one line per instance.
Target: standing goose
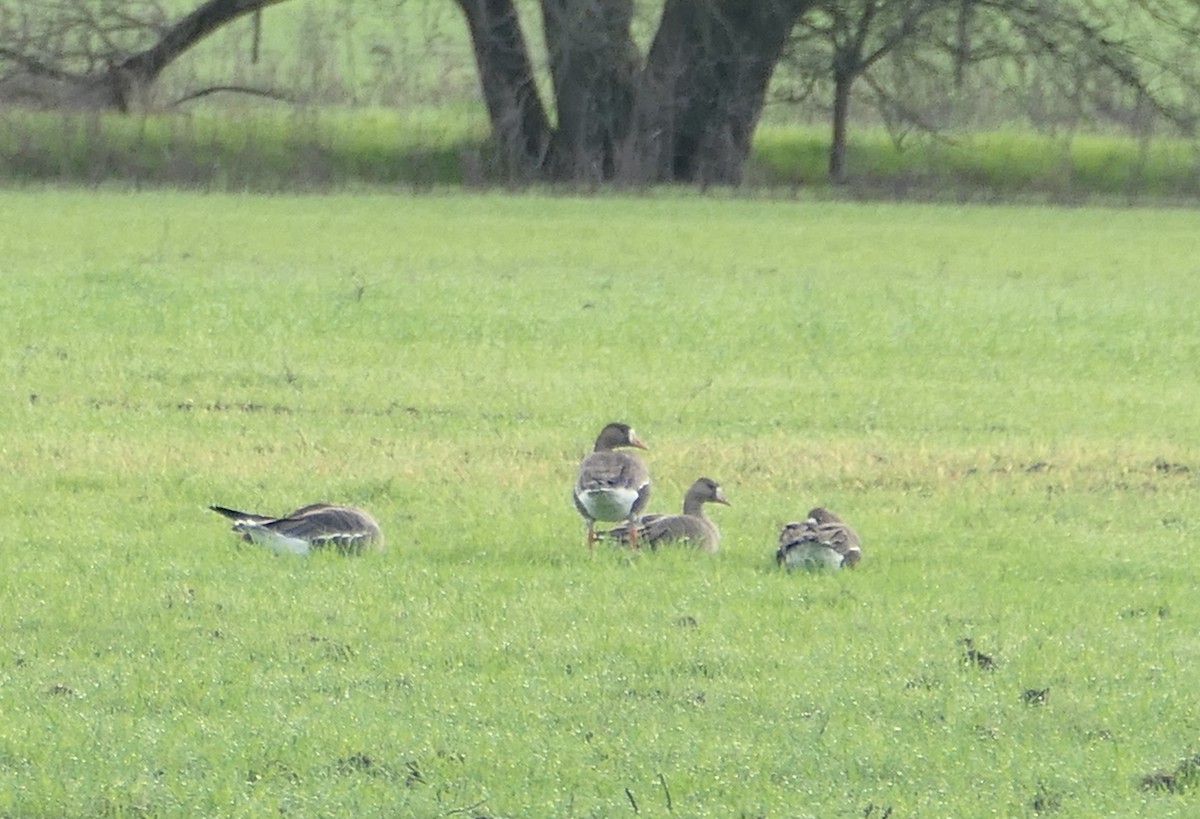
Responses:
[316,526]
[692,527]
[823,540]
[612,485]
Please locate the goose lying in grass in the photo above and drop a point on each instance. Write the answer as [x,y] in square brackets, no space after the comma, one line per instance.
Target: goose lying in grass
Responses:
[823,540]
[612,485]
[316,526]
[692,527]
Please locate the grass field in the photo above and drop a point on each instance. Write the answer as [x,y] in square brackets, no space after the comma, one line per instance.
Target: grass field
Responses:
[1001,400]
[340,150]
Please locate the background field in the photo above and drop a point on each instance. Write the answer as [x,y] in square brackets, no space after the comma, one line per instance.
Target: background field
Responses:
[331,150]
[1001,400]
[384,93]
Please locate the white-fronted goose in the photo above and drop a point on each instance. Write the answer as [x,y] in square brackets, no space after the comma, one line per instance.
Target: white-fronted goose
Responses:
[692,527]
[821,541]
[316,526]
[612,485]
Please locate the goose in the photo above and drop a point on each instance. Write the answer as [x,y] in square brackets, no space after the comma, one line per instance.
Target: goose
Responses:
[692,527]
[612,485]
[823,540]
[316,526]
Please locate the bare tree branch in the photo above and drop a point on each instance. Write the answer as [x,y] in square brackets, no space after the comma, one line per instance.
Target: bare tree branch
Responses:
[92,52]
[234,89]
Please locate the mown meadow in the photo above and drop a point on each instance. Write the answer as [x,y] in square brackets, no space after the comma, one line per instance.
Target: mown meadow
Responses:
[1001,400]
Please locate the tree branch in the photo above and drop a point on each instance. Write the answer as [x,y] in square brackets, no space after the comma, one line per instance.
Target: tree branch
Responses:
[234,89]
[185,33]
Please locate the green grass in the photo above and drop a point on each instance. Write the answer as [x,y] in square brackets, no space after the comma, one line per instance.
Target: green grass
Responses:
[999,165]
[279,148]
[1000,400]
[332,149]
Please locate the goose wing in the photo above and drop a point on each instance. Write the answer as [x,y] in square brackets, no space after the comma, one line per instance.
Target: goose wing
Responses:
[809,538]
[611,486]
[343,527]
[315,525]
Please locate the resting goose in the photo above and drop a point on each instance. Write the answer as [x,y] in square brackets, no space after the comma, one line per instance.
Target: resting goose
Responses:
[692,527]
[823,540]
[612,485]
[316,526]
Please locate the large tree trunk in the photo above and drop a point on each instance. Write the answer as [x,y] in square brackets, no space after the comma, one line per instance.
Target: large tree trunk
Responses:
[593,64]
[688,115]
[705,82]
[520,127]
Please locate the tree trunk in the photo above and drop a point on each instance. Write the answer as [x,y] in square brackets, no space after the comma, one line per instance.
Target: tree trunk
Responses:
[520,127]
[962,43]
[688,115]
[704,84]
[842,83]
[593,64]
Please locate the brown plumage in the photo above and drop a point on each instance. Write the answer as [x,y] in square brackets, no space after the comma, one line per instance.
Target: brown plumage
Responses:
[822,540]
[692,527]
[612,485]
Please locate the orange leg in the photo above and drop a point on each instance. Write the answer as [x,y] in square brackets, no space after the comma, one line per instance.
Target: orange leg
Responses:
[591,535]
[633,536]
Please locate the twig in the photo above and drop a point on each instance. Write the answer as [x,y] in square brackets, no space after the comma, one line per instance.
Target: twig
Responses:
[467,808]
[35,66]
[632,801]
[236,89]
[666,791]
